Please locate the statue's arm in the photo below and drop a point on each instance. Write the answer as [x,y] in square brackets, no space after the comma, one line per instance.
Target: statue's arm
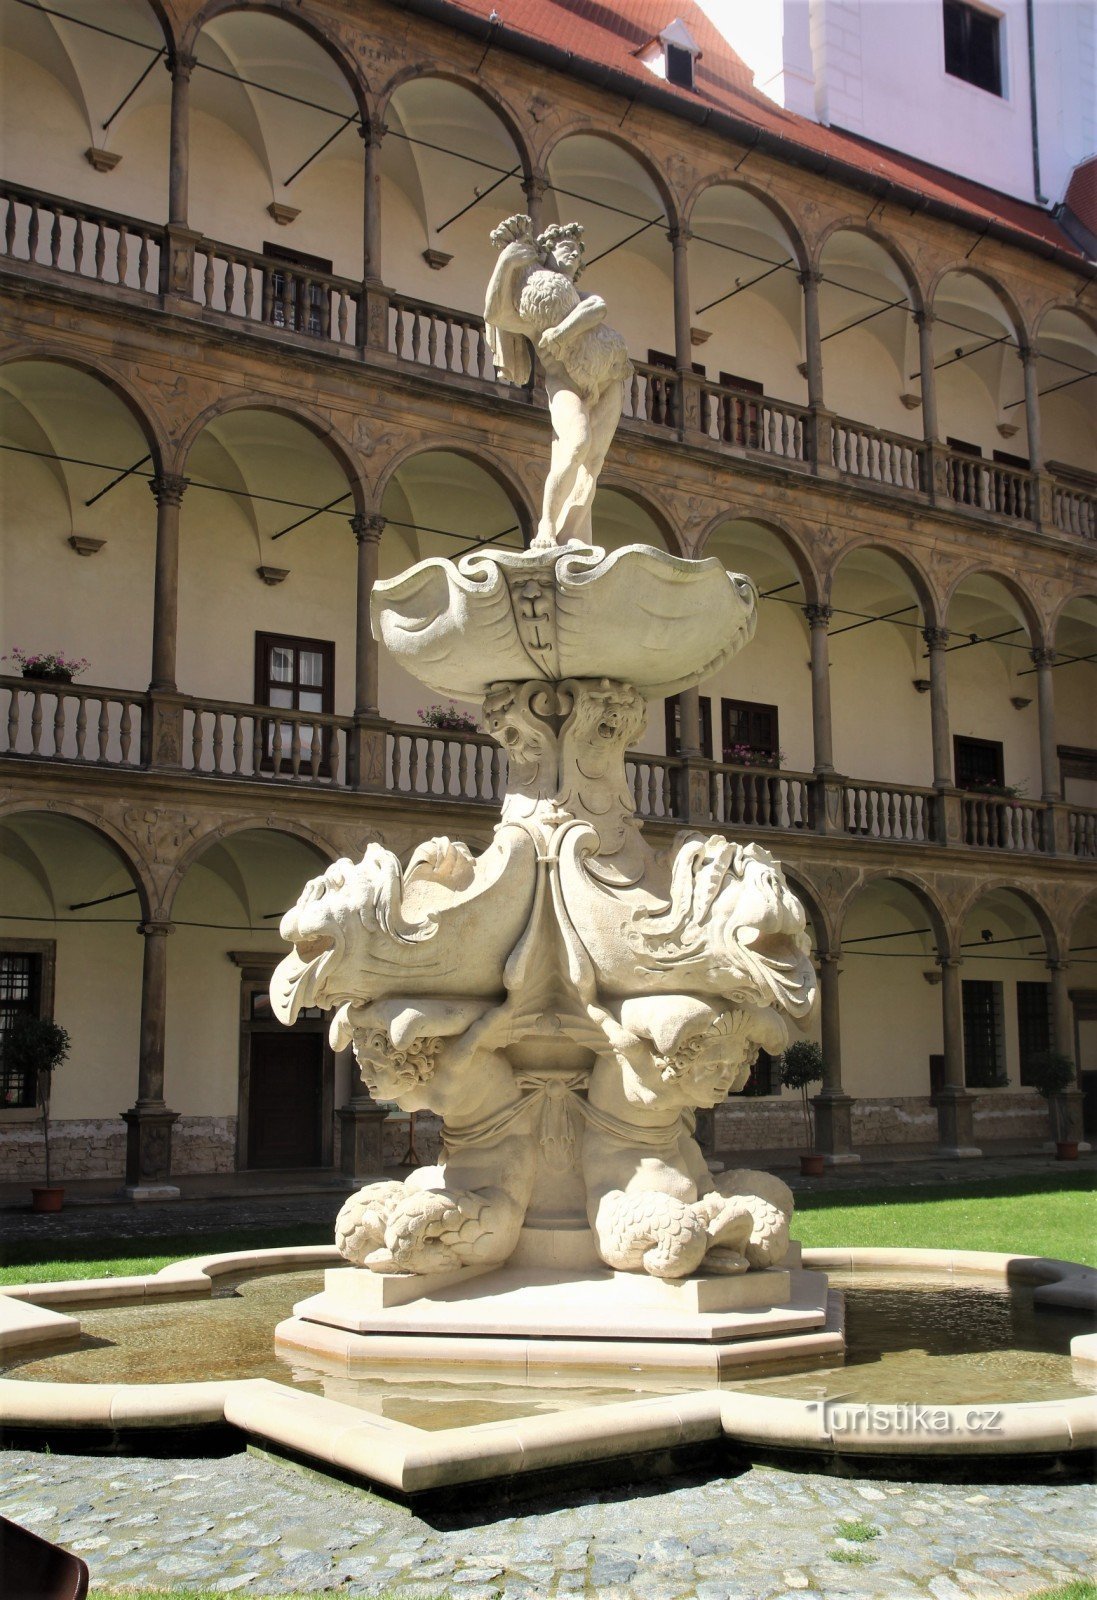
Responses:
[505,286]
[590,311]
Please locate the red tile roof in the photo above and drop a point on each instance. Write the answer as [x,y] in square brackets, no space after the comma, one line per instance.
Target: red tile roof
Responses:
[611,32]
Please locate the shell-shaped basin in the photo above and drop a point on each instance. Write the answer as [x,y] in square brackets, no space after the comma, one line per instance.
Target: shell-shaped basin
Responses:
[638,615]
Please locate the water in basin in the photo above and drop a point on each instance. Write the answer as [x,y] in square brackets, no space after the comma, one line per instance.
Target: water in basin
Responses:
[910,1338]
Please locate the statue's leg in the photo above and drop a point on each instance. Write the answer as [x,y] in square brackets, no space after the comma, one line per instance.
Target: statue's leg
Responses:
[571,430]
[360,1225]
[604,416]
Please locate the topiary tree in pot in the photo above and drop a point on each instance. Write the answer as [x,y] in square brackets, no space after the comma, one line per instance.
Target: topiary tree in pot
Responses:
[1051,1073]
[802,1065]
[36,1047]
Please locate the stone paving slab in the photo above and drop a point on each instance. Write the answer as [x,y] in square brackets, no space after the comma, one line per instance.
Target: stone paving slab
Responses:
[250,1524]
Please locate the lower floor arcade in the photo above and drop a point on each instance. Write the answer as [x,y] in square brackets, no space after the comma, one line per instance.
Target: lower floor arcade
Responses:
[149,933]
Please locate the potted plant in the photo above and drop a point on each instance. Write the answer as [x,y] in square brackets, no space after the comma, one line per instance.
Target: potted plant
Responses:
[48,666]
[1050,1073]
[447,718]
[33,1045]
[801,1066]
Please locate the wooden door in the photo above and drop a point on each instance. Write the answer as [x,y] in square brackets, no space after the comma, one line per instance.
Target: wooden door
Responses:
[285,1099]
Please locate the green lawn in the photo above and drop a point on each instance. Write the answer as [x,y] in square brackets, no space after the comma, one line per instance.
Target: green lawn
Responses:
[1050,1214]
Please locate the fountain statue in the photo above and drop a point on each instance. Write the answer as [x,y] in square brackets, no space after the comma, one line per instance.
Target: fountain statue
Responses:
[568,999]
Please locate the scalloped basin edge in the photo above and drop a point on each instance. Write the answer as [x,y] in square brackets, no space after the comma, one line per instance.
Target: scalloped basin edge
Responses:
[411,1460]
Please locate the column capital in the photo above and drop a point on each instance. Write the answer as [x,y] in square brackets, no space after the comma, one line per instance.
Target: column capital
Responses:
[829,958]
[1042,657]
[681,235]
[818,615]
[810,277]
[155,930]
[368,526]
[180,64]
[1026,354]
[924,319]
[168,488]
[534,183]
[371,133]
[946,963]
[1057,965]
[936,638]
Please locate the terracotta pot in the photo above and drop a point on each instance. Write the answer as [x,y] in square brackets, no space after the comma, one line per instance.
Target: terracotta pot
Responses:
[812,1166]
[1066,1150]
[51,1199]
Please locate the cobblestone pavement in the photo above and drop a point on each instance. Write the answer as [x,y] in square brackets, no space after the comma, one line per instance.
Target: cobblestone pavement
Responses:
[264,1527]
[94,1218]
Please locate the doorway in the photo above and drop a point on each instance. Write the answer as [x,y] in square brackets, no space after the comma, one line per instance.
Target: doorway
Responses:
[285,1116]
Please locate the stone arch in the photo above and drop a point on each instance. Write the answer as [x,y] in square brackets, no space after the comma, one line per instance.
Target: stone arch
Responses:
[1072,307]
[1042,917]
[932,610]
[802,887]
[1038,633]
[1084,908]
[944,932]
[496,467]
[149,425]
[120,844]
[1008,302]
[791,542]
[198,847]
[309,24]
[781,216]
[1089,592]
[313,421]
[903,263]
[648,164]
[488,96]
[649,505]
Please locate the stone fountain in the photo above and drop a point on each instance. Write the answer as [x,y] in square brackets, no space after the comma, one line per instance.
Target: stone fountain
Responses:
[567,1000]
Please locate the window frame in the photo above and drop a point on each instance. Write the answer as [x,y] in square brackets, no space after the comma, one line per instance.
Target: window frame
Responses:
[264,644]
[959,44]
[961,743]
[752,708]
[989,1072]
[46,952]
[1027,1021]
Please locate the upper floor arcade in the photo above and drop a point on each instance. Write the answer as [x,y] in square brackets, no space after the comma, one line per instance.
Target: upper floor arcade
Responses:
[332,180]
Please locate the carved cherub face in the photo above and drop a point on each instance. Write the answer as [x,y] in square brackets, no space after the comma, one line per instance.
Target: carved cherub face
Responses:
[567,254]
[395,1074]
[685,1052]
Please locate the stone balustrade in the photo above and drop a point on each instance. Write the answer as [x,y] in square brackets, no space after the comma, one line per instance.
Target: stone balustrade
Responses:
[45,233]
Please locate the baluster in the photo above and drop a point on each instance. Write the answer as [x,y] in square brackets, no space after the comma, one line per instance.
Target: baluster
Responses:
[277,748]
[397,762]
[207,281]
[125,732]
[484,365]
[416,335]
[81,727]
[447,348]
[295,748]
[122,256]
[463,352]
[230,282]
[9,227]
[78,243]
[104,728]
[13,718]
[342,323]
[477,770]
[398,333]
[33,225]
[431,764]
[634,395]
[60,708]
[197,740]
[249,290]
[325,310]
[143,262]
[218,740]
[432,340]
[413,764]
[320,736]
[447,765]
[237,745]
[257,739]
[55,236]
[100,251]
[267,293]
[286,304]
[497,779]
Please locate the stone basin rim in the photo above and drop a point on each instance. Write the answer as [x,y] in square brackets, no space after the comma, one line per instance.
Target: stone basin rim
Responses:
[411,1460]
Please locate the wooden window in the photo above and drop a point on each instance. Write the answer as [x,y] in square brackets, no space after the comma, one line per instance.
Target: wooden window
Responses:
[26,989]
[763,1077]
[740,419]
[673,712]
[750,734]
[978,763]
[1005,459]
[299,675]
[296,301]
[973,46]
[661,358]
[1033,1023]
[679,66]
[984,1052]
